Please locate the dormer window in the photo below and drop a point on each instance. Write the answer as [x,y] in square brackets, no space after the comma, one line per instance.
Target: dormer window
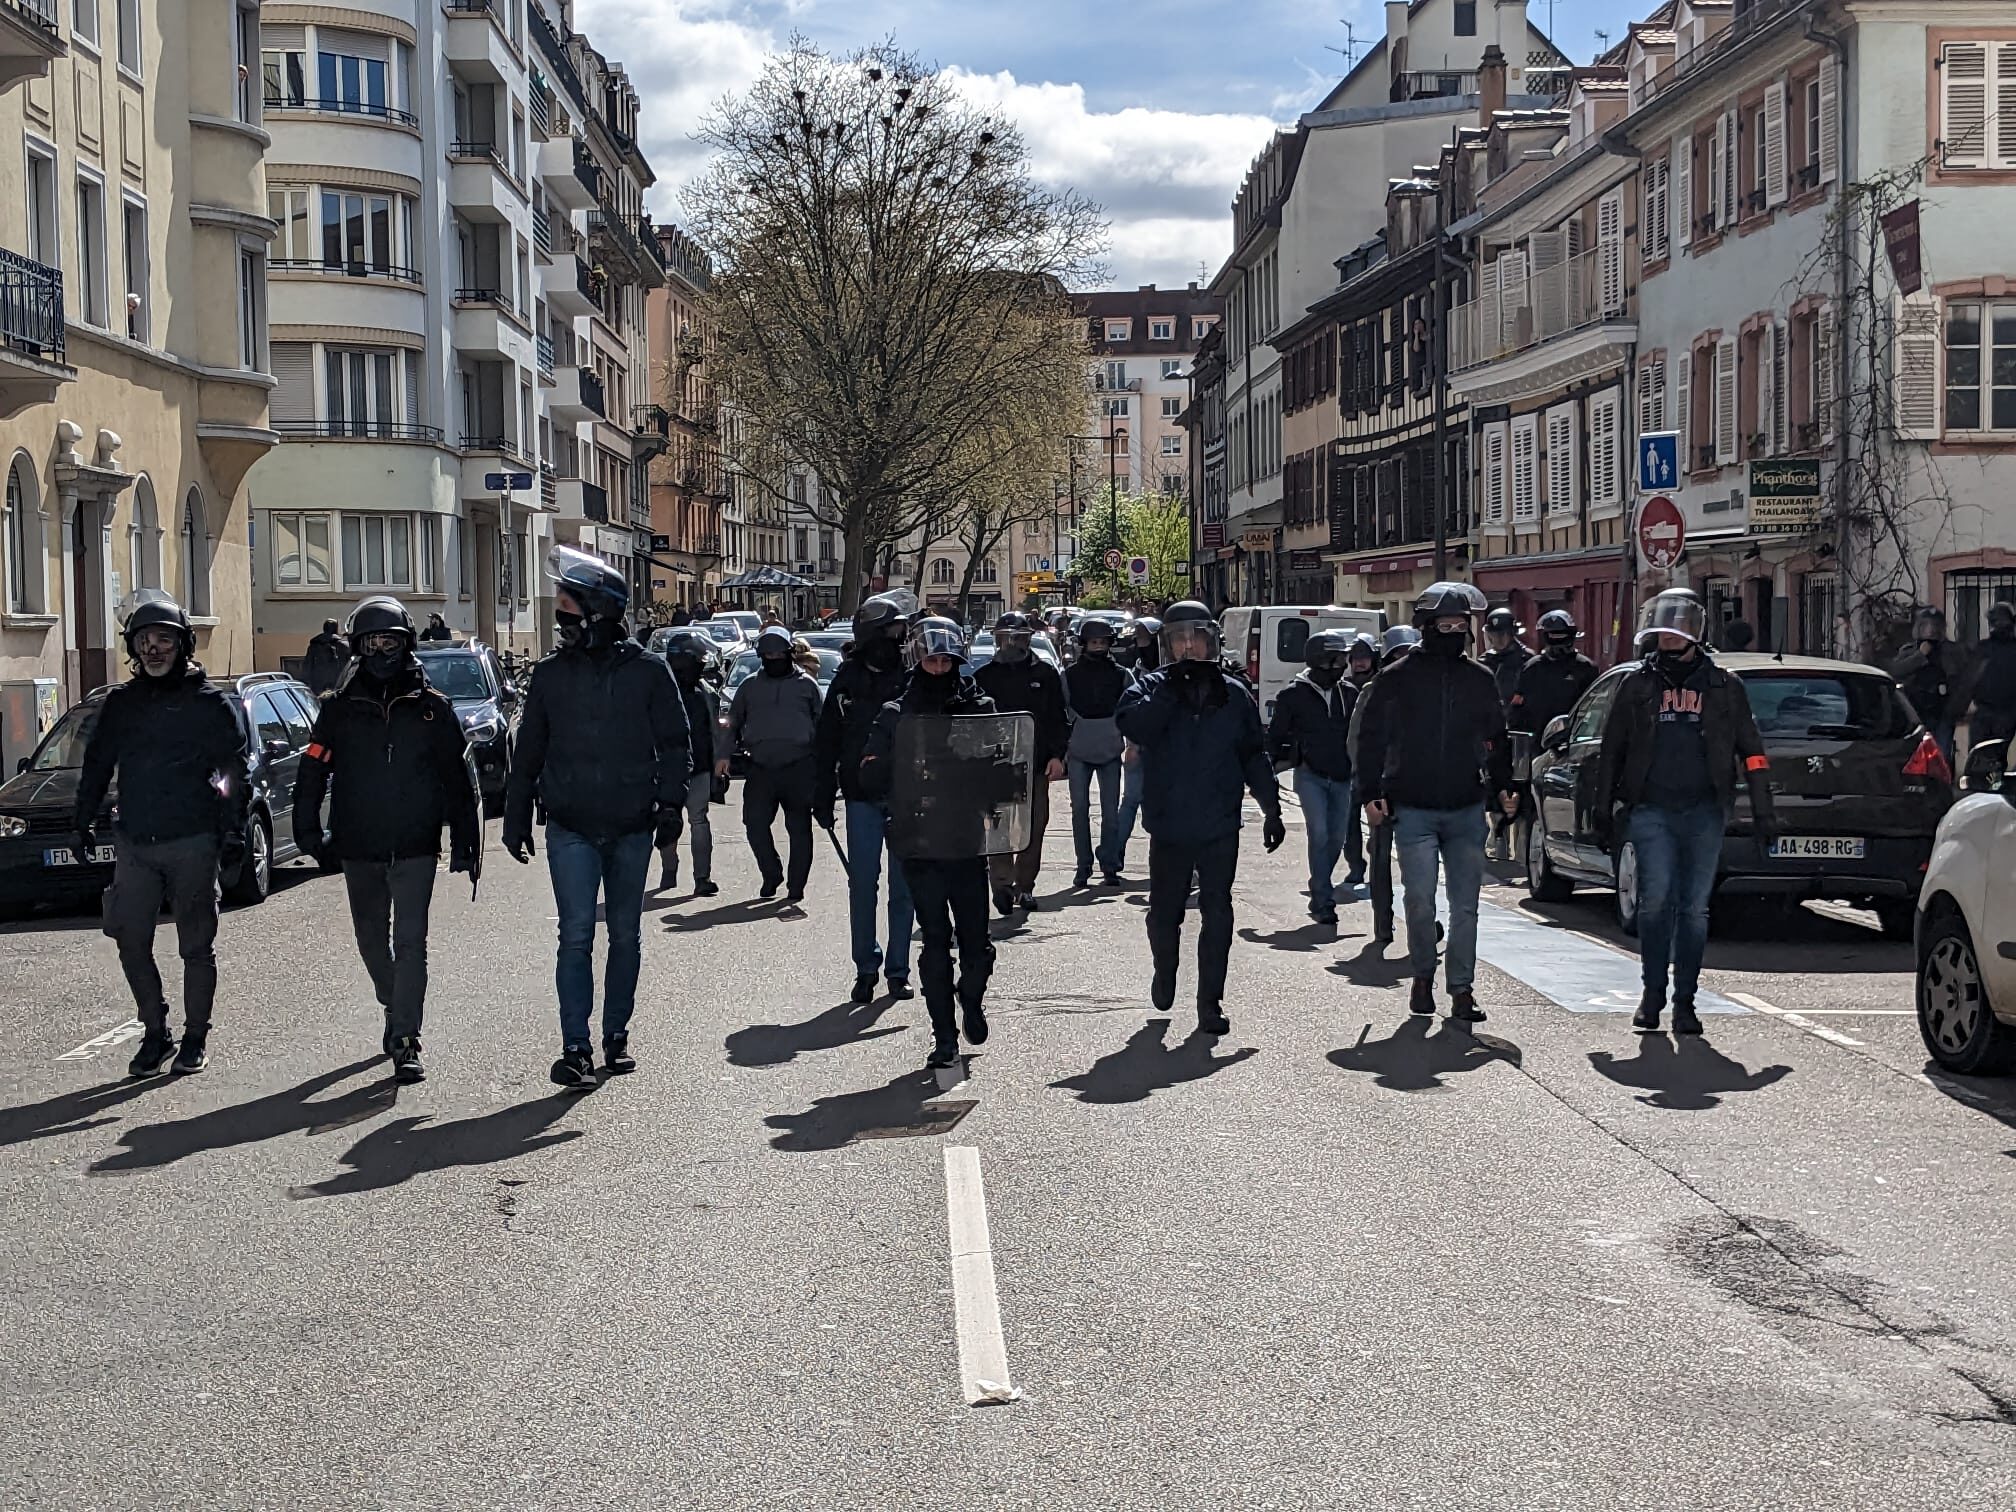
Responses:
[1162,330]
[1118,330]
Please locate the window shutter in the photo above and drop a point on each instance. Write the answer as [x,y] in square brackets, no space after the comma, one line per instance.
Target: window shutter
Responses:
[1725,401]
[1606,484]
[1561,460]
[1494,475]
[1682,418]
[1490,303]
[1610,249]
[277,38]
[354,44]
[2005,105]
[1963,119]
[1767,389]
[1731,139]
[1830,121]
[1781,417]
[412,387]
[1549,251]
[1823,370]
[293,400]
[1657,231]
[1776,190]
[1915,385]
[1717,166]
[1680,193]
[1525,466]
[1652,397]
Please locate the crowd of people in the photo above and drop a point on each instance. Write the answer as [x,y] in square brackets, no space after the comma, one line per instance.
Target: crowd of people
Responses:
[1410,747]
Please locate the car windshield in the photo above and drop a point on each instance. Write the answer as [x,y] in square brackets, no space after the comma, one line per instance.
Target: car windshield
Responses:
[1827,706]
[748,663]
[64,748]
[457,677]
[725,631]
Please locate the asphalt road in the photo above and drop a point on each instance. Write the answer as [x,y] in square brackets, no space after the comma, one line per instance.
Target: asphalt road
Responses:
[1334,1260]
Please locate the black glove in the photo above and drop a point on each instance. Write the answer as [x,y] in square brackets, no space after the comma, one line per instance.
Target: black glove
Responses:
[519,844]
[823,815]
[665,827]
[231,849]
[1767,829]
[312,842]
[87,842]
[461,858]
[1274,833]
[1001,782]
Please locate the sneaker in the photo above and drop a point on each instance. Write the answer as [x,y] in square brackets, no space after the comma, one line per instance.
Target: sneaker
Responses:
[1423,999]
[796,895]
[668,879]
[1685,1019]
[1162,991]
[1325,916]
[703,888]
[1004,901]
[770,889]
[575,1068]
[899,987]
[1646,1019]
[153,1055]
[1082,878]
[1211,1019]
[406,1065]
[864,988]
[975,1025]
[194,1055]
[944,1053]
[1463,1006]
[616,1056]
[1113,879]
[1027,900]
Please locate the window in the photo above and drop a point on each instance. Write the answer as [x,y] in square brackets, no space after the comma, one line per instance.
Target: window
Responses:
[90,250]
[1606,450]
[1494,448]
[1161,330]
[1980,366]
[377,551]
[357,232]
[302,556]
[133,235]
[1171,408]
[1657,232]
[1466,18]
[24,541]
[1200,328]
[1172,367]
[1561,457]
[246,59]
[1977,90]
[1116,409]
[195,593]
[1117,330]
[357,394]
[1969,593]
[1116,375]
[251,309]
[284,77]
[127,20]
[84,23]
[42,227]
[941,572]
[289,210]
[1525,469]
[1813,122]
[347,81]
[267,721]
[1652,396]
[143,562]
[1172,446]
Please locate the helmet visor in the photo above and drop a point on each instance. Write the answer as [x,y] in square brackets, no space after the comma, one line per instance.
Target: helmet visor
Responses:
[582,574]
[936,638]
[138,599]
[1675,614]
[1190,640]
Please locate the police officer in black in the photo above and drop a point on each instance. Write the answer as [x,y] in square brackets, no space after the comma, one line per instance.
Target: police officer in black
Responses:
[1394,644]
[389,754]
[950,893]
[177,749]
[1361,665]
[1311,734]
[696,667]
[1506,659]
[1549,685]
[1020,682]
[1202,750]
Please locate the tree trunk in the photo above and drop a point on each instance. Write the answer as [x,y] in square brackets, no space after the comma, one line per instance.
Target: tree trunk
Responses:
[853,569]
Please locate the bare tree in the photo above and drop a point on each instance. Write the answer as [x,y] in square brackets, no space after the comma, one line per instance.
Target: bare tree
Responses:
[889,283]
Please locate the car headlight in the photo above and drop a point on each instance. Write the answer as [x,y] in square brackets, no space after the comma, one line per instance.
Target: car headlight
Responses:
[12,826]
[481,726]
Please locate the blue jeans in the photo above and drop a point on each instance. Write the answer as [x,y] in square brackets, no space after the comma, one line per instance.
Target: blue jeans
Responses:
[1455,838]
[867,826]
[1130,809]
[616,869]
[1677,852]
[1326,815]
[1108,772]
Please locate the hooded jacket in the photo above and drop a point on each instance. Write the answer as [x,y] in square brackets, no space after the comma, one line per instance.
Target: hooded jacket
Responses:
[1202,750]
[1728,731]
[1310,730]
[603,744]
[1432,735]
[1939,687]
[854,702]
[1995,675]
[1030,686]
[1093,688]
[1505,667]
[328,654]
[167,739]
[776,719]
[1548,687]
[391,757]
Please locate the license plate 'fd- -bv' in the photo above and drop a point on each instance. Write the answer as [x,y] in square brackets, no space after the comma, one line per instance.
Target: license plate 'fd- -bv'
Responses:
[66,855]
[1821,847]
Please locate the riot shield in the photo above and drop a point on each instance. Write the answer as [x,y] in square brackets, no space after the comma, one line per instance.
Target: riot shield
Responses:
[963,786]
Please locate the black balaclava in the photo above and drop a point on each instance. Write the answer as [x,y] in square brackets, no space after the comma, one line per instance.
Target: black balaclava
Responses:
[1451,643]
[1013,649]
[1325,677]
[777,666]
[687,670]
[933,691]
[1678,666]
[881,654]
[1558,649]
[571,627]
[383,666]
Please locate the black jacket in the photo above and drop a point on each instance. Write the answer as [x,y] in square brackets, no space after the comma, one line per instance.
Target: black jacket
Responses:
[603,743]
[1030,686]
[165,739]
[1505,667]
[1548,686]
[328,655]
[1940,689]
[1995,675]
[391,757]
[703,718]
[1306,733]
[877,767]
[1728,728]
[1432,735]
[1202,749]
[854,701]
[1093,686]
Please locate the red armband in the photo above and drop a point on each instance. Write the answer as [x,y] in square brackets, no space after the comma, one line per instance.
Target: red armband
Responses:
[1756,763]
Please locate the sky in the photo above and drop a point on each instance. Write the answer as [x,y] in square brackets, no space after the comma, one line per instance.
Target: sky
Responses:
[1152,110]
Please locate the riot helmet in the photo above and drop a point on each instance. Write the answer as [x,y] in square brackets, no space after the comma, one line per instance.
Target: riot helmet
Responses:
[1363,647]
[1446,600]
[1929,623]
[1093,630]
[1327,649]
[935,635]
[1398,641]
[381,635]
[1189,633]
[887,614]
[592,583]
[691,654]
[150,609]
[1147,625]
[1677,611]
[1013,634]
[2001,620]
[1558,631]
[1502,621]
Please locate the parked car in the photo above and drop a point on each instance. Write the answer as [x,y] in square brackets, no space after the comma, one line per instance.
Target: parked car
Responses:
[1266,643]
[748,663]
[1858,783]
[471,678]
[748,621]
[1966,924]
[980,650]
[727,633]
[38,860]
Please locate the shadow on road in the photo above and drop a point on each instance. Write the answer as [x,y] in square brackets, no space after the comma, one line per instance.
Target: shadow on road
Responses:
[895,1108]
[398,1151]
[1307,937]
[728,913]
[1372,967]
[71,1112]
[269,1117]
[1076,897]
[1148,1064]
[1413,1059]
[1745,934]
[841,1025]
[1683,1073]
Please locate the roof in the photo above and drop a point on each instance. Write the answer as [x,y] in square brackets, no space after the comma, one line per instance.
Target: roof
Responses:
[1378,50]
[1740,662]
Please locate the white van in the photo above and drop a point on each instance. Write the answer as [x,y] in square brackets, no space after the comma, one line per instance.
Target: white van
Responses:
[1266,642]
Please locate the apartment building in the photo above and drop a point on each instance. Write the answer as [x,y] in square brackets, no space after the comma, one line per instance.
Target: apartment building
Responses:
[133,338]
[1203,421]
[1142,343]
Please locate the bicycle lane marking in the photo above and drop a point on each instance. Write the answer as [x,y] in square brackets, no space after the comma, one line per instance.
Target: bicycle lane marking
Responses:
[1571,970]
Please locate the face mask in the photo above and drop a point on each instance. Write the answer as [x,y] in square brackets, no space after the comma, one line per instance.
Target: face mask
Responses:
[1446,642]
[1560,649]
[1676,664]
[1097,648]
[687,672]
[1011,650]
[1325,677]
[384,665]
[881,654]
[777,666]
[569,626]
[2002,630]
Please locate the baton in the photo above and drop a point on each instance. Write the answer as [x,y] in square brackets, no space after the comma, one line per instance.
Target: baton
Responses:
[838,850]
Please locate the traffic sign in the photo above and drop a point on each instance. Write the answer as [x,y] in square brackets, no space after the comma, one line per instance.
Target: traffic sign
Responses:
[1043,564]
[1112,556]
[1658,461]
[1662,532]
[1137,569]
[511,482]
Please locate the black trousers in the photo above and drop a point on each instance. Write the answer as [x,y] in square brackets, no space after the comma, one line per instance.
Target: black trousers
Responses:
[389,901]
[1171,865]
[764,791]
[183,873]
[1354,839]
[1381,877]
[951,902]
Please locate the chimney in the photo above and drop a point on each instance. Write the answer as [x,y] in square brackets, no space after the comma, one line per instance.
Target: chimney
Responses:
[1396,45]
[1490,85]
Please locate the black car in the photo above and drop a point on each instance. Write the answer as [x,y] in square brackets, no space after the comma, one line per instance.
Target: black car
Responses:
[473,679]
[38,860]
[1858,783]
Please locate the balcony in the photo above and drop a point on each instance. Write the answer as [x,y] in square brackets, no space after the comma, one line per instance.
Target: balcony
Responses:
[30,40]
[1559,316]
[576,396]
[486,326]
[653,248]
[477,43]
[480,185]
[578,499]
[1433,84]
[554,239]
[357,110]
[554,162]
[320,267]
[576,296]
[360,430]
[651,430]
[543,345]
[616,234]
[1102,384]
[32,362]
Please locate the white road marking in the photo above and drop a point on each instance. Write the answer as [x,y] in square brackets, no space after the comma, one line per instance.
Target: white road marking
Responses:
[1796,1020]
[1860,1012]
[983,1353]
[117,1035]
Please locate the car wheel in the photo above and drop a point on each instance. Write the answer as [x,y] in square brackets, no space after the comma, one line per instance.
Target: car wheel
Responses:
[1897,917]
[1954,1015]
[255,872]
[1627,887]
[1543,883]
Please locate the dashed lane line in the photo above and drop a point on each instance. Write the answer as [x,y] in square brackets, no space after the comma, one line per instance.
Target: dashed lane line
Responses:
[1797,1021]
[983,1352]
[132,1029]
